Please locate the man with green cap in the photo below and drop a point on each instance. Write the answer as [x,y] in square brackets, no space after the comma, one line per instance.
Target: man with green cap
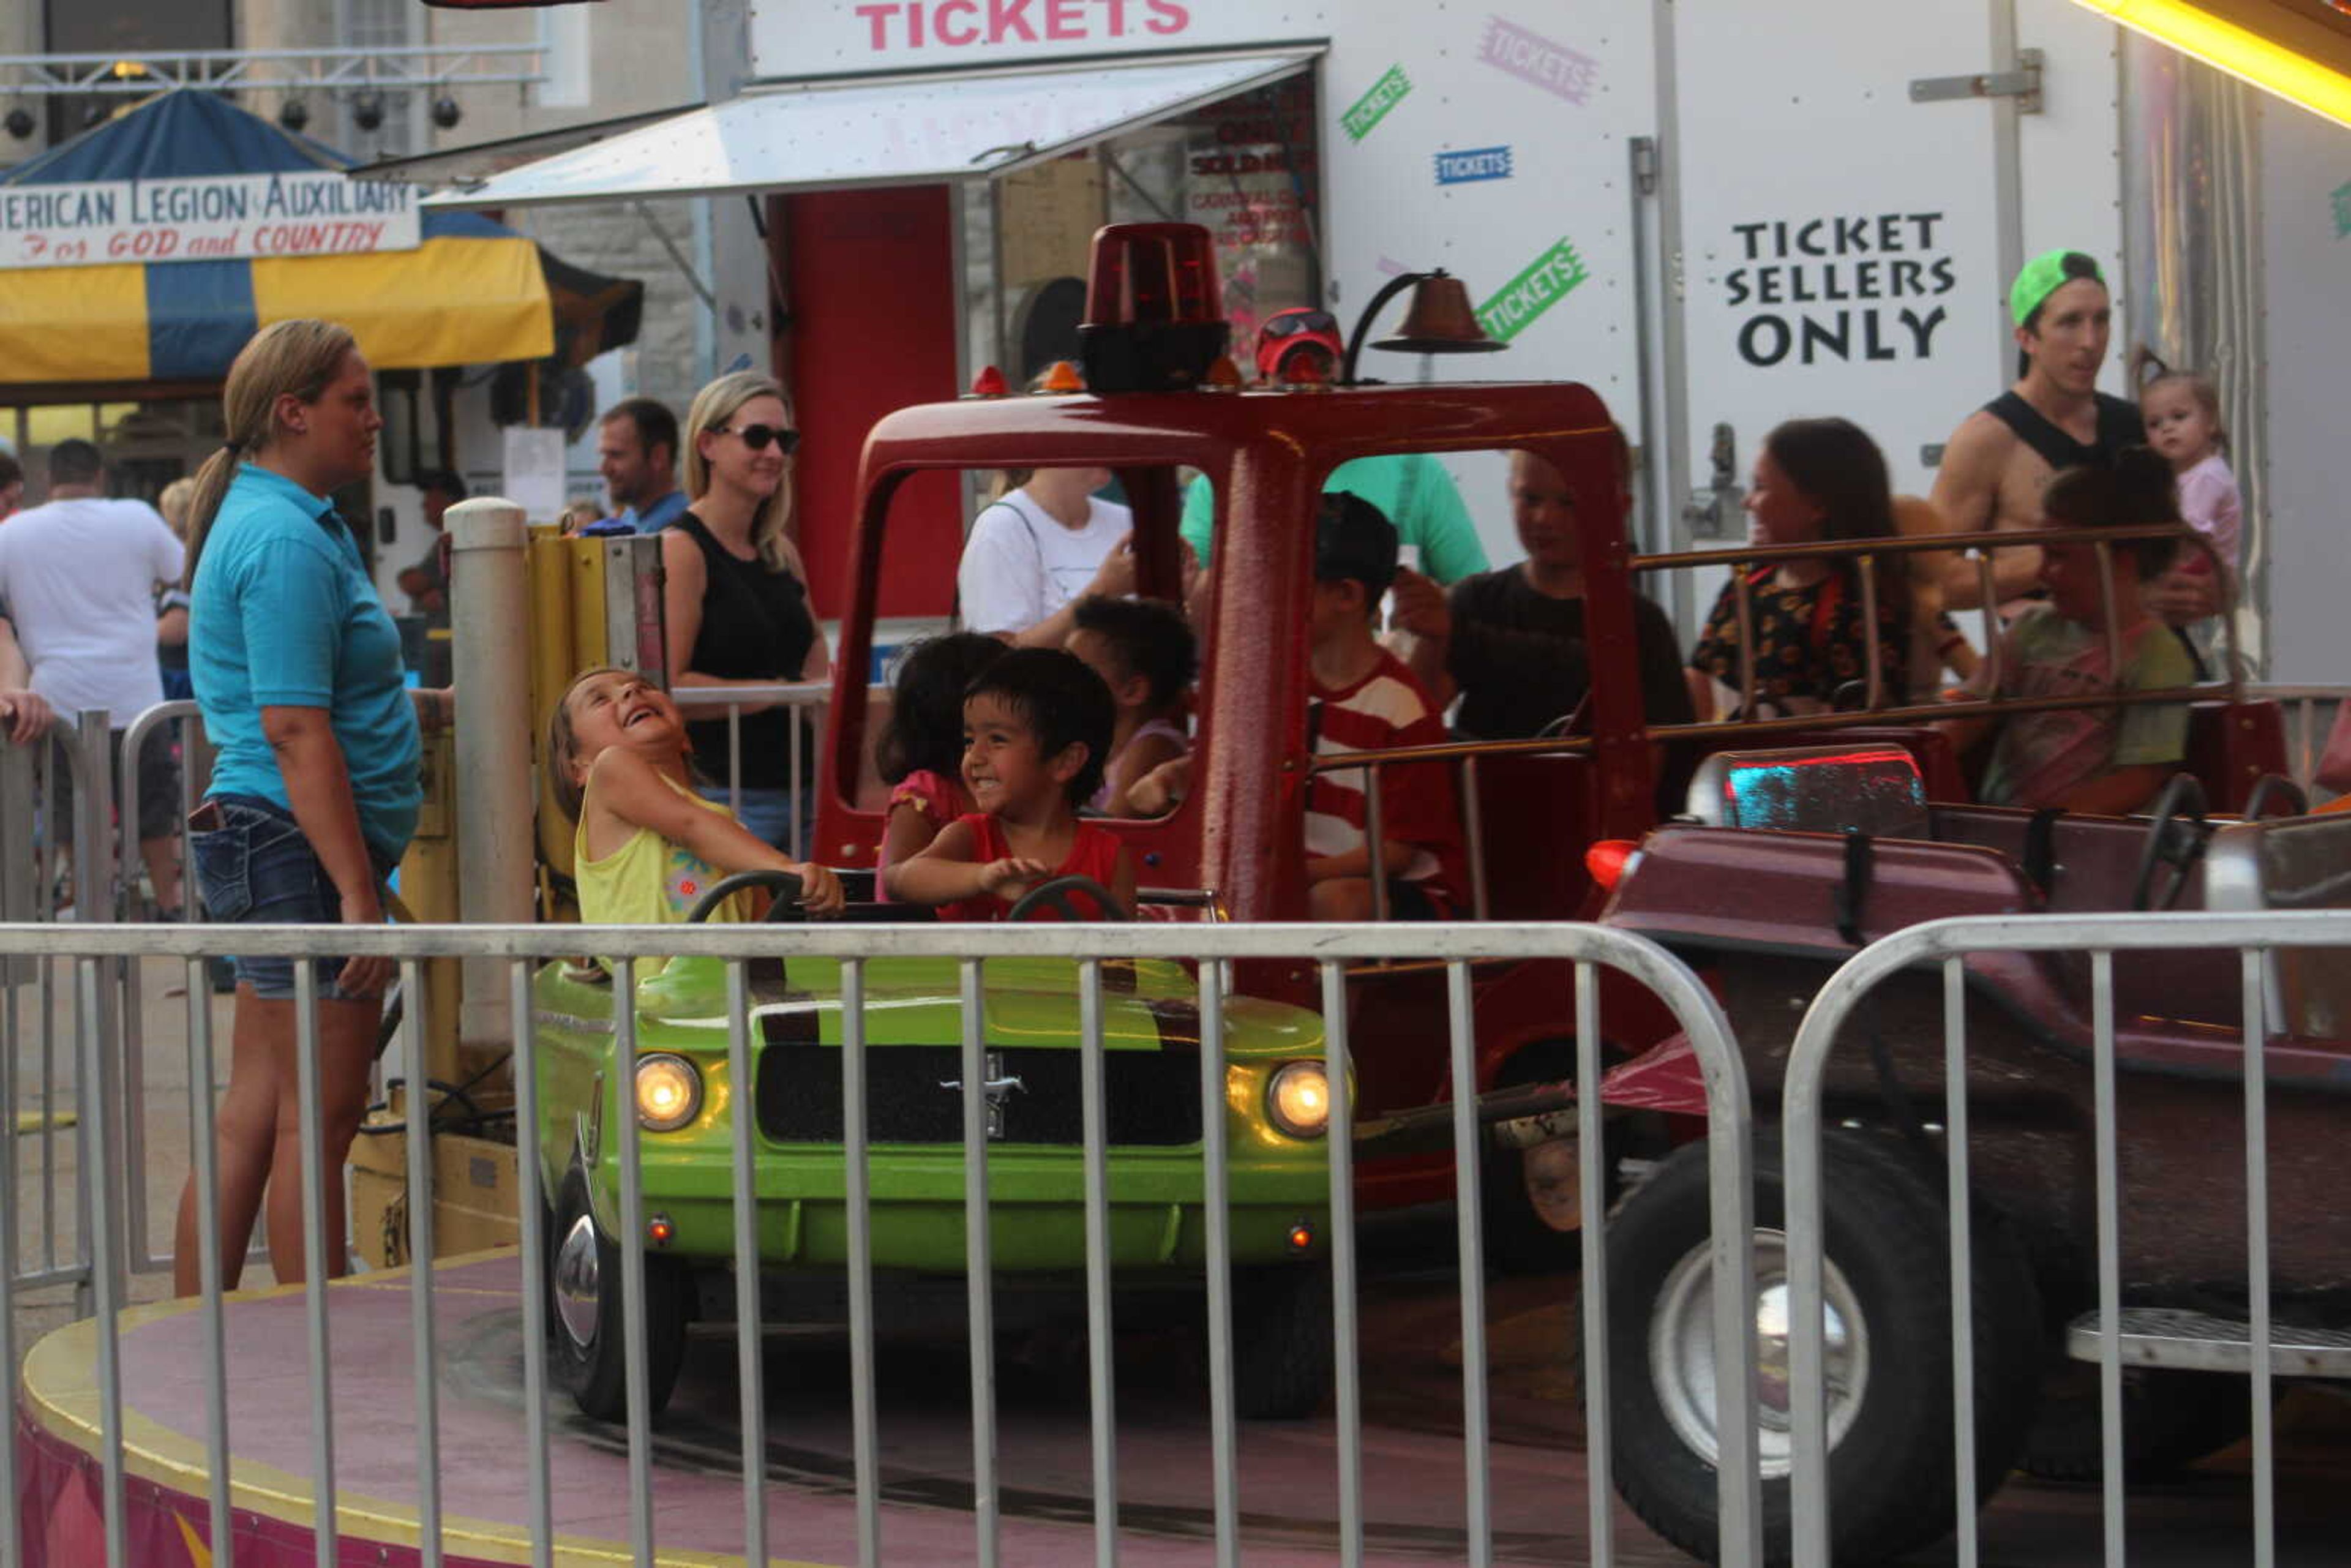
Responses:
[2054,418]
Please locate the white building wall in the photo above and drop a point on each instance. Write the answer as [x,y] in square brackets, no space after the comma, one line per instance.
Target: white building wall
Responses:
[2305,207]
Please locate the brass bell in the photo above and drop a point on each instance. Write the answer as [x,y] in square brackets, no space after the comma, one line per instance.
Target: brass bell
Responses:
[1440,320]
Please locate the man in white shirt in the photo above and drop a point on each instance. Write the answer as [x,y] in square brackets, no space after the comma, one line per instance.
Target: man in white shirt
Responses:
[79,575]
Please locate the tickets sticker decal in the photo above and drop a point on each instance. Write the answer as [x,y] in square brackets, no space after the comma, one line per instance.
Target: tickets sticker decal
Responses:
[1516,306]
[1554,67]
[1475,164]
[1373,107]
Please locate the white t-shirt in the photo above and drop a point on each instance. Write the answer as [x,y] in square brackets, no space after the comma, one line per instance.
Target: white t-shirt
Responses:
[79,579]
[1021,565]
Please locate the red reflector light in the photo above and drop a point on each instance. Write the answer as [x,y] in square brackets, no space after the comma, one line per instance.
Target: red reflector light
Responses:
[1608,859]
[661,1230]
[989,382]
[1301,1237]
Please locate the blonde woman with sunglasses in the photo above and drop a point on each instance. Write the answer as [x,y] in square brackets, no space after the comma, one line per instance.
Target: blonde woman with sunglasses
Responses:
[737,597]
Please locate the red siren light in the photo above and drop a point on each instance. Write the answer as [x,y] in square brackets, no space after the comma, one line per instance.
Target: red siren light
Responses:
[1155,308]
[1063,377]
[1608,859]
[989,382]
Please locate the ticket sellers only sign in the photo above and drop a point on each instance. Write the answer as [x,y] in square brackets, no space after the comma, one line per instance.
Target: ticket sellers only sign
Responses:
[828,38]
[208,218]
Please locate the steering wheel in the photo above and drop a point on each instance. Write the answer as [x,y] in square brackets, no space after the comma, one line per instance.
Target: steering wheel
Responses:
[785,911]
[2272,788]
[2177,836]
[1055,894]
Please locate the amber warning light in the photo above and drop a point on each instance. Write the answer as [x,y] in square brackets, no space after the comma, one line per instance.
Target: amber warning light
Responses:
[1154,311]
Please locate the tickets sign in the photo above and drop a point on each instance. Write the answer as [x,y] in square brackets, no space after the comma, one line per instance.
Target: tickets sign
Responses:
[218,217]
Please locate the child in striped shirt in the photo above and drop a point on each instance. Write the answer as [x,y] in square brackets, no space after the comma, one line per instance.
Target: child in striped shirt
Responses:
[1364,699]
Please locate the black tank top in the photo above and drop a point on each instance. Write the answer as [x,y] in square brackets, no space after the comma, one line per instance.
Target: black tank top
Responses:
[2119,425]
[755,626]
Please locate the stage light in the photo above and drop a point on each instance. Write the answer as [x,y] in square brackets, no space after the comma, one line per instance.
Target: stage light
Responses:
[21,123]
[367,110]
[294,114]
[445,113]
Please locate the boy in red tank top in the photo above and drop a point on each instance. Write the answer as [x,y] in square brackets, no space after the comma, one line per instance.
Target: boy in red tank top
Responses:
[1037,727]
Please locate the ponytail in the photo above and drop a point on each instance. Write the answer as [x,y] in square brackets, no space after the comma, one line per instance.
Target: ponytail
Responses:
[286,359]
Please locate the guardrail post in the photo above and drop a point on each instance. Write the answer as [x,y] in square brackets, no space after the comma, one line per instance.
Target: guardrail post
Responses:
[489,597]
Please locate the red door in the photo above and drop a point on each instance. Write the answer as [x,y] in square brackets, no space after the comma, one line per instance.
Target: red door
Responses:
[872,291]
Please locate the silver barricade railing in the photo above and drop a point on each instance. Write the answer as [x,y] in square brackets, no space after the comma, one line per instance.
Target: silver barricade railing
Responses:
[2312,709]
[60,1103]
[1212,949]
[1946,945]
[177,720]
[795,697]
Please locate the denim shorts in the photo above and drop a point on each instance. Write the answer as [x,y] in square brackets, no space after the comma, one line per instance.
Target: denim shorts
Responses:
[256,868]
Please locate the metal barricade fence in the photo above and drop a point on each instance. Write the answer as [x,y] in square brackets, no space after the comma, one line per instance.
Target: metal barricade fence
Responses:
[1097,955]
[1945,946]
[805,701]
[2311,710]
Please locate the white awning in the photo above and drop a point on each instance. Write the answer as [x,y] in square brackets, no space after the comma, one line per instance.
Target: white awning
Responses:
[907,130]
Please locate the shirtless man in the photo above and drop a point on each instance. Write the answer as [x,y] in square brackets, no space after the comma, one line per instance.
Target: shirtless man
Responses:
[2002,456]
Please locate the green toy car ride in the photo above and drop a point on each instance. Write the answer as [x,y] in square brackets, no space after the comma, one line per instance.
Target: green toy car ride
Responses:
[1275,1106]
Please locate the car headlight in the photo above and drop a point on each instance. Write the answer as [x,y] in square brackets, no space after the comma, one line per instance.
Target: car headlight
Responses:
[1298,1099]
[669,1092]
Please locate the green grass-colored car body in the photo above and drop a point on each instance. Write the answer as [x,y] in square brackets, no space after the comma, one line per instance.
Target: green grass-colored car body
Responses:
[1279,1182]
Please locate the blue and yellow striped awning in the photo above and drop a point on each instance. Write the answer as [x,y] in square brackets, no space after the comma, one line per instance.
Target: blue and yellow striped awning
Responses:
[471,292]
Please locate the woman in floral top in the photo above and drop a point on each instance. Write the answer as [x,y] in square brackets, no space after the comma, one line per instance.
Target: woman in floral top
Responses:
[1815,480]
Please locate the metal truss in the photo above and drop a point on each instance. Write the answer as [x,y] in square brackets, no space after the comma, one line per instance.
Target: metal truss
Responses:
[391,69]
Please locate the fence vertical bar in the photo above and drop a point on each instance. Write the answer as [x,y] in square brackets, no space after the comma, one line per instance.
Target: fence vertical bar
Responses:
[1100,1364]
[531,1161]
[1467,1148]
[2110,1347]
[314,1260]
[421,1253]
[105,1277]
[204,1152]
[1957,1188]
[978,1254]
[859,1172]
[734,757]
[2257,1251]
[1348,1370]
[754,1413]
[1591,1155]
[46,993]
[636,1372]
[9,1534]
[1215,1202]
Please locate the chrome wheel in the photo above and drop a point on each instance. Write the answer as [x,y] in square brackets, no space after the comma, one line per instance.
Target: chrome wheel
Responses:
[1682,1363]
[577,1298]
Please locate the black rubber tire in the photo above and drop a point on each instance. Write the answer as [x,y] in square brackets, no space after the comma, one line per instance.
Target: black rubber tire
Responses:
[1891,1484]
[596,1375]
[2170,1420]
[1282,1361]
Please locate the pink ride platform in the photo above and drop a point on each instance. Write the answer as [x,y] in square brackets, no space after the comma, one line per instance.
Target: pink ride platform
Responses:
[1287,1487]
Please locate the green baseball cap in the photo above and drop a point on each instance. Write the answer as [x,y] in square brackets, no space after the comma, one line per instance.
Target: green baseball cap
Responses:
[2044,275]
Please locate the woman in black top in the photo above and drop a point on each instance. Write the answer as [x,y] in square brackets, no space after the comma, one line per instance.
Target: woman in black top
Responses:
[1816,480]
[736,595]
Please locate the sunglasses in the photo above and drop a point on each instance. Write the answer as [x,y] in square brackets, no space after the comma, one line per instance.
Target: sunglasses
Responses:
[1291,322]
[757,437]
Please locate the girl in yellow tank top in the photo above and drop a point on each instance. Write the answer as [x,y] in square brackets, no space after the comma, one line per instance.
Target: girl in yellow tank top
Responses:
[647,847]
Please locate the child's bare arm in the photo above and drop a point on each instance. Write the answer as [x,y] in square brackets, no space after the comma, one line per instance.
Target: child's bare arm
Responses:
[945,873]
[907,832]
[1140,757]
[629,789]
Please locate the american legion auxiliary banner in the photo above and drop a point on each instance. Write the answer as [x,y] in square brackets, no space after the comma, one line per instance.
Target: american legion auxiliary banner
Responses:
[211,217]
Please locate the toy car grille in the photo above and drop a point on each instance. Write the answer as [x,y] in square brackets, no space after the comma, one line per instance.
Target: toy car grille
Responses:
[1153,1098]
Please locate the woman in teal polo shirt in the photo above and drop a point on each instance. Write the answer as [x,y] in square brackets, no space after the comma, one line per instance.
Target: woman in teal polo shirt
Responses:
[315,793]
